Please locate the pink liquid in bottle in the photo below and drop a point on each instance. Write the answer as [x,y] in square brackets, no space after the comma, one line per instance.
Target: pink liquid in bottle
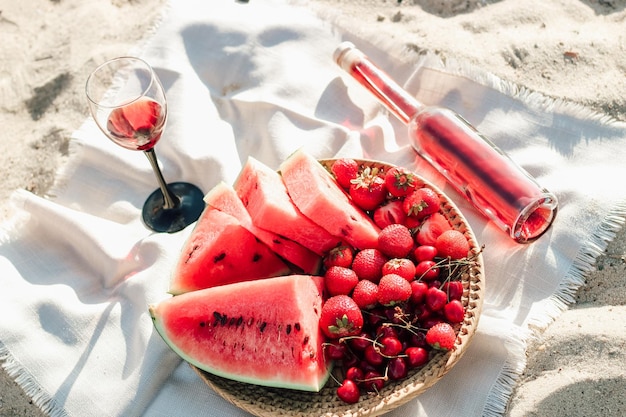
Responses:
[473,165]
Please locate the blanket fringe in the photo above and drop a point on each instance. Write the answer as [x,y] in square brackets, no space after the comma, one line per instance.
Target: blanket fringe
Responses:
[500,393]
[30,386]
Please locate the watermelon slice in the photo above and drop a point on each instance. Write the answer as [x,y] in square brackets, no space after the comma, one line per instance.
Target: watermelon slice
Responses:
[261,332]
[223,197]
[318,196]
[264,195]
[221,251]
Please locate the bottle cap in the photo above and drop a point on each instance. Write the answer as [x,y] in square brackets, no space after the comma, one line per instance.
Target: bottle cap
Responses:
[346,55]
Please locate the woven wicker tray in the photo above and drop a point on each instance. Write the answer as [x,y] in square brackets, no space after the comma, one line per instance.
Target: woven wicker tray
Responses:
[265,401]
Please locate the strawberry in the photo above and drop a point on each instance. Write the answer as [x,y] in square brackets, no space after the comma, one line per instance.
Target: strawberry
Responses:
[400,182]
[340,317]
[431,228]
[400,266]
[340,280]
[345,170]
[368,264]
[421,203]
[441,336]
[452,244]
[393,289]
[395,241]
[340,256]
[365,294]
[368,190]
[390,213]
[412,222]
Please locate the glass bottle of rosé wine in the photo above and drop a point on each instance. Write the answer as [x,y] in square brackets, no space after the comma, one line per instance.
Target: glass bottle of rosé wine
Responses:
[499,188]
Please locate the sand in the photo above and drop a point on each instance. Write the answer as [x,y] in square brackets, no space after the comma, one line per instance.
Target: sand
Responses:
[573,50]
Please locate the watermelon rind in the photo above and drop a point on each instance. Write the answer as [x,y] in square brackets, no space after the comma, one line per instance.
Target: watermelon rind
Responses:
[262,332]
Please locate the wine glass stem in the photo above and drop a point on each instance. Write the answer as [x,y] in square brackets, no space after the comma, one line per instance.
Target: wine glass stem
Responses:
[170,200]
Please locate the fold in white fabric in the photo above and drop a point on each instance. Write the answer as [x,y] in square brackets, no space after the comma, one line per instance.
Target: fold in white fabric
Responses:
[257,78]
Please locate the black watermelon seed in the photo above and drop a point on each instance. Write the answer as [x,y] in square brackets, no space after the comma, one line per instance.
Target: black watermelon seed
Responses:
[218,318]
[219,257]
[256,258]
[262,328]
[297,327]
[288,330]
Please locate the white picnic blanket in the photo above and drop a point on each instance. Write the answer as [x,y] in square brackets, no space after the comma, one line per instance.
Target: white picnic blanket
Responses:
[257,78]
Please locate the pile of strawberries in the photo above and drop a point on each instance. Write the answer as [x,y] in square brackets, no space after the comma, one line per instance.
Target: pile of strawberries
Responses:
[391,307]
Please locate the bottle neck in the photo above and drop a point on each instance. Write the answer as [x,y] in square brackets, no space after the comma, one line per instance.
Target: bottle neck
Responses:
[397,100]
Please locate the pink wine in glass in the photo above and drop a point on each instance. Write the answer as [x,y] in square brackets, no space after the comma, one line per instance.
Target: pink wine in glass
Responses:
[133,116]
[137,125]
[473,165]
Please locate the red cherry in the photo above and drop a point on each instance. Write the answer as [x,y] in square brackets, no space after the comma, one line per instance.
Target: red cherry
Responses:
[418,293]
[335,351]
[424,253]
[348,392]
[355,373]
[436,298]
[416,356]
[426,270]
[391,346]
[374,381]
[454,311]
[418,340]
[386,331]
[397,368]
[372,356]
[436,283]
[454,289]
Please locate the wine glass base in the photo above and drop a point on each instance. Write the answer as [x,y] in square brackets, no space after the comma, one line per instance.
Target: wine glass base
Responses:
[160,219]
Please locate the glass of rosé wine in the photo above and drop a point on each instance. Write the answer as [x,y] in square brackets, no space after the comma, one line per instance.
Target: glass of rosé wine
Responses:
[127,102]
